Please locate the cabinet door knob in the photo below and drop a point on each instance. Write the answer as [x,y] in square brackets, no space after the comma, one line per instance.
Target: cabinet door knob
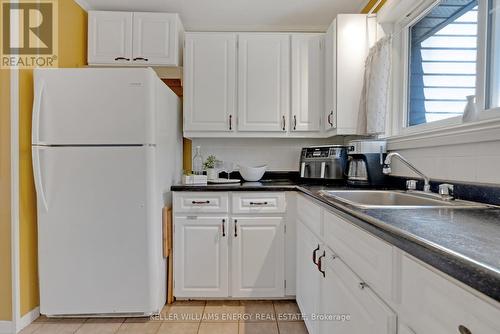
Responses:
[200,202]
[122,58]
[320,264]
[362,285]
[235,228]
[314,255]
[464,330]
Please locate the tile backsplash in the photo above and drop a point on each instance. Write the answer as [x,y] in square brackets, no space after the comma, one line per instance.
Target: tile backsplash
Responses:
[278,154]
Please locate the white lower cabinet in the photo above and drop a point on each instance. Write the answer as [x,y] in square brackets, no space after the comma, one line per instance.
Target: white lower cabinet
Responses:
[219,255]
[257,253]
[431,303]
[347,305]
[201,256]
[308,276]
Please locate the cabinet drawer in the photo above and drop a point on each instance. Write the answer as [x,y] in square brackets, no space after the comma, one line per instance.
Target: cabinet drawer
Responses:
[368,256]
[309,213]
[207,202]
[435,304]
[267,202]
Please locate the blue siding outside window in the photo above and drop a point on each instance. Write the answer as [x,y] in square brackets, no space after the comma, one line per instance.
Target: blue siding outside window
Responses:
[443,55]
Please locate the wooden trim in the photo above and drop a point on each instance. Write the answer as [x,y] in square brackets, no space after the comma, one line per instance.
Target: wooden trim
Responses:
[370,5]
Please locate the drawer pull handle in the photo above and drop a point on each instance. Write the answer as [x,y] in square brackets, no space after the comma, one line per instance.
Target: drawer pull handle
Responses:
[223,227]
[140,58]
[200,202]
[258,203]
[235,228]
[122,58]
[363,285]
[464,330]
[314,255]
[320,264]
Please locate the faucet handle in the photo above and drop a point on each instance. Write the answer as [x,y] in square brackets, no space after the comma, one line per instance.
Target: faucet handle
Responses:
[411,184]
[446,190]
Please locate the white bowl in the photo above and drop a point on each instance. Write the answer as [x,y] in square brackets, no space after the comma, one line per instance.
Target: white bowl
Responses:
[252,174]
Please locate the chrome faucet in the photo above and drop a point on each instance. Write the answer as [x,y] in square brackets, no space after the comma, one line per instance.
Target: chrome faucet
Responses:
[387,168]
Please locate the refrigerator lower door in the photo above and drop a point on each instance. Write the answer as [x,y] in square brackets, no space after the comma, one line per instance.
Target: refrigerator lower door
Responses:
[99,231]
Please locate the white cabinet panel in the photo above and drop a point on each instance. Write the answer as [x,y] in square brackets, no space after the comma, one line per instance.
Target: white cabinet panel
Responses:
[343,296]
[210,82]
[259,203]
[330,116]
[156,39]
[308,275]
[258,262]
[435,304]
[201,256]
[110,37]
[309,213]
[307,82]
[263,82]
[346,45]
[201,202]
[370,257]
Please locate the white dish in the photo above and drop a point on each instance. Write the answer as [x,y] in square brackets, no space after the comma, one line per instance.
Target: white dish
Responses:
[252,174]
[222,180]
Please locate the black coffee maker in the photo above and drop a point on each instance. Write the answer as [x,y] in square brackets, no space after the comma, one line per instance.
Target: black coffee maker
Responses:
[365,162]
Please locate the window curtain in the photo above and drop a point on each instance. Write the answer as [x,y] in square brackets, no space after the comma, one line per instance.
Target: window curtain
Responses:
[374,101]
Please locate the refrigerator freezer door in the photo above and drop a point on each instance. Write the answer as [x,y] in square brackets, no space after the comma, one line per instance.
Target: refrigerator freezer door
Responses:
[93,106]
[98,241]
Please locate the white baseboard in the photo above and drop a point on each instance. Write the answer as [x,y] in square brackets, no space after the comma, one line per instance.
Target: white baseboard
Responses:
[6,327]
[27,319]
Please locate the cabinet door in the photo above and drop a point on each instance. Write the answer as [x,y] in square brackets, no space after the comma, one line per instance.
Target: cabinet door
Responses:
[258,261]
[307,82]
[348,306]
[201,256]
[155,39]
[263,82]
[308,276]
[110,37]
[330,115]
[352,47]
[209,82]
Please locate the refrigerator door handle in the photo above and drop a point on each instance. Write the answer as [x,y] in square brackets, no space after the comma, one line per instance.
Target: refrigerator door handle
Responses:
[37,105]
[38,177]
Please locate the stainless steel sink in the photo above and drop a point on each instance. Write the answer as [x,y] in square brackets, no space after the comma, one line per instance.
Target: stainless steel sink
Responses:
[389,199]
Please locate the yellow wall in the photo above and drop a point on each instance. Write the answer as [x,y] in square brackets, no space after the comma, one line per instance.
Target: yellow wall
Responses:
[5,186]
[72,53]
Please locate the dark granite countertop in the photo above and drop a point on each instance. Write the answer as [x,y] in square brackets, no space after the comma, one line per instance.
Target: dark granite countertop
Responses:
[463,243]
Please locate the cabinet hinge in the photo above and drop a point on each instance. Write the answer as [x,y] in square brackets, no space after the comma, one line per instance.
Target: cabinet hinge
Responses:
[284,283]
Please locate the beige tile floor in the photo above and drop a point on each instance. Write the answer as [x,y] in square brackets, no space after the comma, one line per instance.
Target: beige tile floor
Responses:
[189,317]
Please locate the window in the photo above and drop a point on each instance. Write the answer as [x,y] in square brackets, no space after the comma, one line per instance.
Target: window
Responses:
[443,50]
[493,71]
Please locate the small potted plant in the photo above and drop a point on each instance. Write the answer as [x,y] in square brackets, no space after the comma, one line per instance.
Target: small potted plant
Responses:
[209,166]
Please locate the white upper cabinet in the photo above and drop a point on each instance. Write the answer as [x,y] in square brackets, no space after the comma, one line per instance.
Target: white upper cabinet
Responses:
[126,38]
[210,82]
[156,39]
[263,82]
[110,37]
[346,48]
[307,82]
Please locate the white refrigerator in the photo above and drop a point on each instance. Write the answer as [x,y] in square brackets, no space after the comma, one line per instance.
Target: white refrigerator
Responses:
[107,146]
